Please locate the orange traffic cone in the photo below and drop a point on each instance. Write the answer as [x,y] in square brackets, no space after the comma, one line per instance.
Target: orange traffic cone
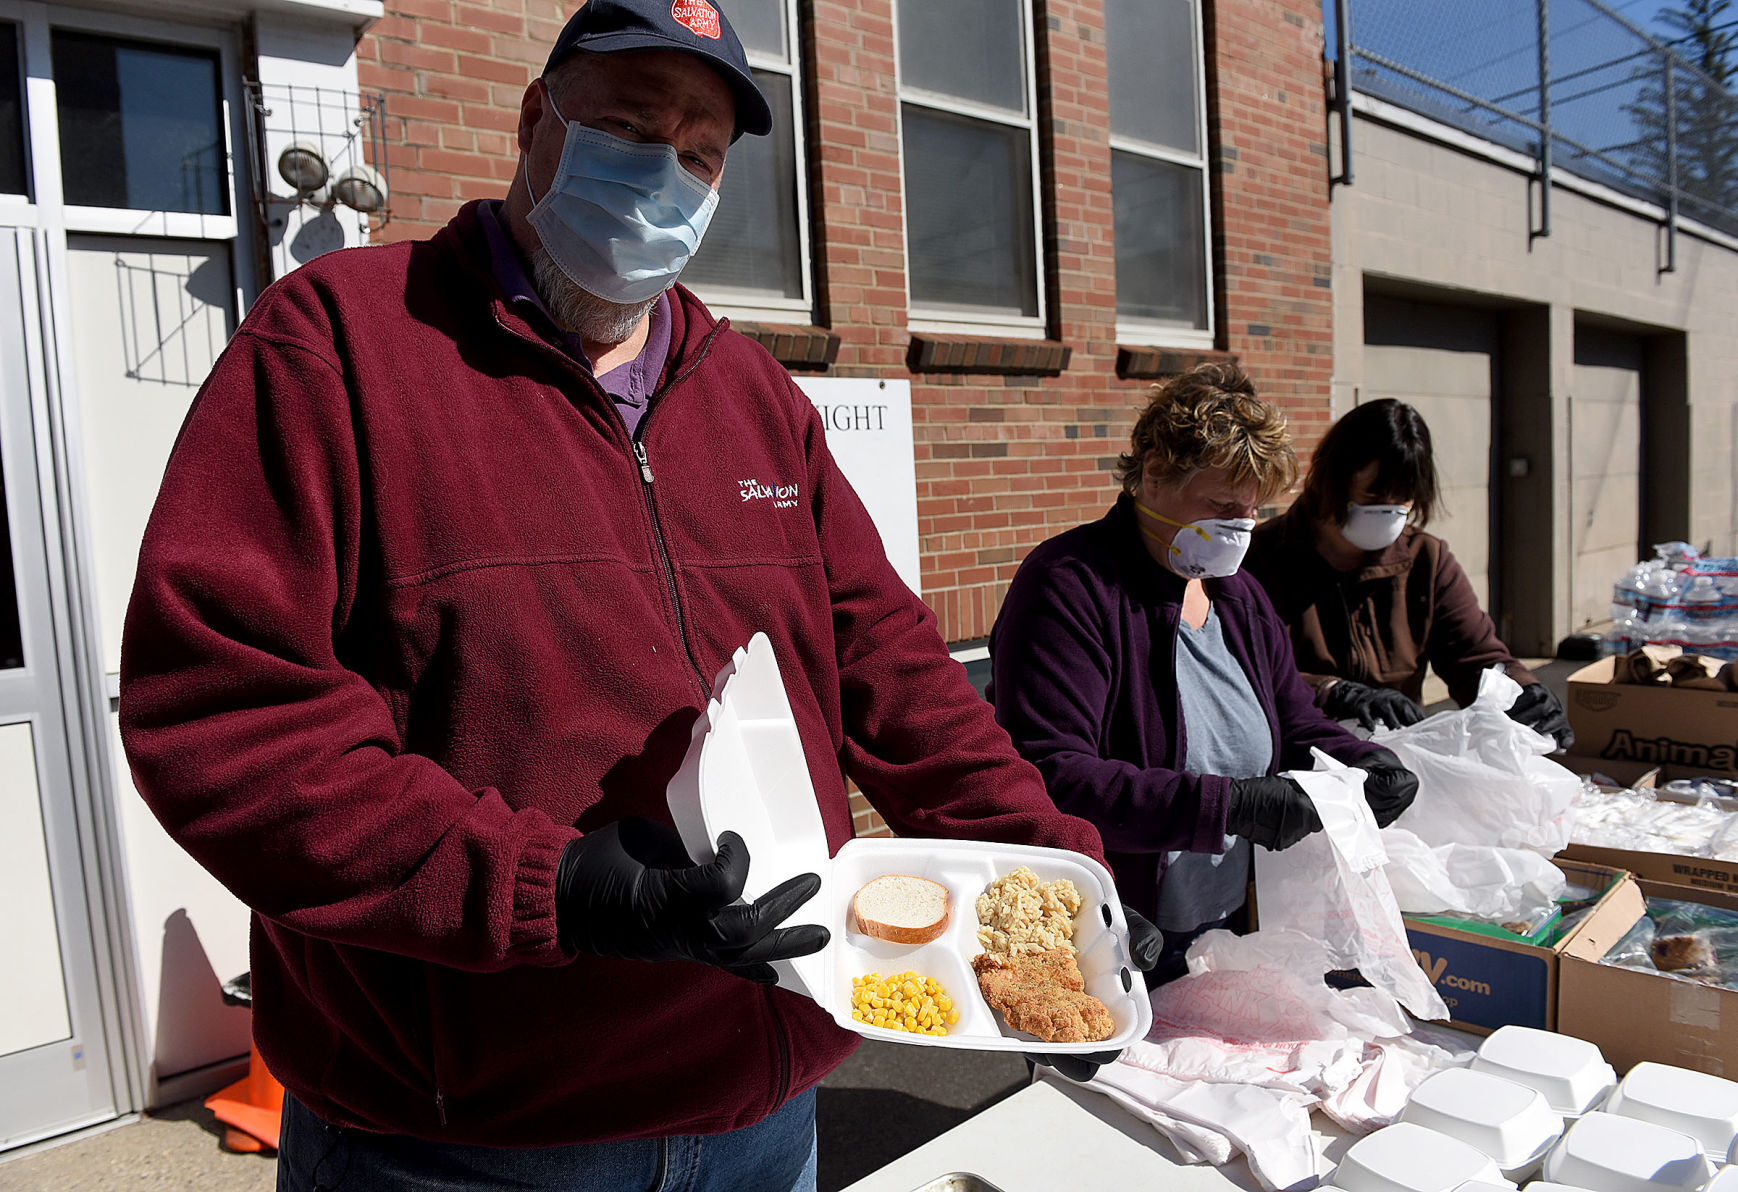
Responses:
[251,1107]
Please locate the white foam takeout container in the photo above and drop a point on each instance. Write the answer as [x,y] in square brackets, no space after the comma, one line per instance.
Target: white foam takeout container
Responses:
[1704,1107]
[745,772]
[1570,1072]
[1610,1153]
[1725,1180]
[1407,1157]
[1498,1117]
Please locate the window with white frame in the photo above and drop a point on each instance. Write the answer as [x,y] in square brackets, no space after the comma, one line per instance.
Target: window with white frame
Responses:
[755,258]
[141,125]
[1158,169]
[970,146]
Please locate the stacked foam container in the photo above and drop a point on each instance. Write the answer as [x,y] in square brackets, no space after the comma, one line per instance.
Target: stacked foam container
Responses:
[1547,1113]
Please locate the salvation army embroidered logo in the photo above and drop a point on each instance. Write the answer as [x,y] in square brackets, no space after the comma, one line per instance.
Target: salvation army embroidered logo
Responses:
[700,17]
[782,496]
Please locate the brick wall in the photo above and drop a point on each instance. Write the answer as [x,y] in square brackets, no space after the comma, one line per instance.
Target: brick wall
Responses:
[1267,117]
[453,74]
[1003,461]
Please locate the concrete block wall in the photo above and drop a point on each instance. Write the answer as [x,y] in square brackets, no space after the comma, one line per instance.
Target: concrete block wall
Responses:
[1453,224]
[1003,461]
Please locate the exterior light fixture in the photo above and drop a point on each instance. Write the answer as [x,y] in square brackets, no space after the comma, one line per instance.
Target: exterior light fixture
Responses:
[303,166]
[362,188]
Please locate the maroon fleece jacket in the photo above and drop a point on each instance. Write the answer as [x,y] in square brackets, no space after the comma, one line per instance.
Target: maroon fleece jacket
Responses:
[410,616]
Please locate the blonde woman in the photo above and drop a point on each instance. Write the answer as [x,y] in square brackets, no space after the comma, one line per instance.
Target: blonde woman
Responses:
[1149,680]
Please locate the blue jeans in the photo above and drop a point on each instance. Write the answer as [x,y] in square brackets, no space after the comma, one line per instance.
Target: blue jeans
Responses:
[772,1155]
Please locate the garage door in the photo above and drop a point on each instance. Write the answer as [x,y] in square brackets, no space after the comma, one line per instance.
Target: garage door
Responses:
[1605,473]
[1440,359]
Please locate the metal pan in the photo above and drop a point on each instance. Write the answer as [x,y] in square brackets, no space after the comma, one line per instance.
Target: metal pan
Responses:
[959,1181]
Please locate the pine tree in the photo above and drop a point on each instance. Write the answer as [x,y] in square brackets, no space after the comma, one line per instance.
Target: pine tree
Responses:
[1706,109]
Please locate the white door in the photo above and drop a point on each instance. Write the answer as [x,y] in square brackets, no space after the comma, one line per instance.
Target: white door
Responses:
[122,182]
[54,1065]
[148,319]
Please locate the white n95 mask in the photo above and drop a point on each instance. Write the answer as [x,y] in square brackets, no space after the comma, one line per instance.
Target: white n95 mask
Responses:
[1374,527]
[620,218]
[1208,549]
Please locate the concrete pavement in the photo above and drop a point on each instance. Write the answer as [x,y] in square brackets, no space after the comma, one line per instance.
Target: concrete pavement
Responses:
[882,1102]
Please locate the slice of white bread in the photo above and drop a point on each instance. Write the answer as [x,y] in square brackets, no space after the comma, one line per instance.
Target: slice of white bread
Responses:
[901,908]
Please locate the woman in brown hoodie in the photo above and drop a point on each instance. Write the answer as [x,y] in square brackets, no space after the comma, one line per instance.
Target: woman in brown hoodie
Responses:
[1369,596]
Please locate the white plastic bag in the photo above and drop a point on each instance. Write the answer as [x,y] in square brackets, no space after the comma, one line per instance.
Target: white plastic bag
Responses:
[1500,885]
[1250,1040]
[1330,886]
[1483,778]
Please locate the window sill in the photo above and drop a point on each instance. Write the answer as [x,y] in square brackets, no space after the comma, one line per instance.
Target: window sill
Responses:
[938,353]
[1145,363]
[794,346]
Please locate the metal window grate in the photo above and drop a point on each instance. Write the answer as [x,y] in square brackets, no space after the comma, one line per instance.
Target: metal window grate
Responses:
[347,128]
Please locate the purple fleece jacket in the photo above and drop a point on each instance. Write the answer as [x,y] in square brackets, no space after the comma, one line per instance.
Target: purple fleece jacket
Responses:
[1084,655]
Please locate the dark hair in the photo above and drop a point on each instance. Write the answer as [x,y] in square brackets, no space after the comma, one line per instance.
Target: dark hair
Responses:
[1211,417]
[1388,433]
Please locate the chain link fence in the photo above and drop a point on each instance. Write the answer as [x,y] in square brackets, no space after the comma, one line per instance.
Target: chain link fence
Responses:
[1575,84]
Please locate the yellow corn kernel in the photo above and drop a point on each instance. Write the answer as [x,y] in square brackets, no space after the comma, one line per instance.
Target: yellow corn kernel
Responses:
[906,1001]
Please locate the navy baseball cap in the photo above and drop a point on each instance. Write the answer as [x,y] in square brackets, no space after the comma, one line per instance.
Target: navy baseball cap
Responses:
[692,26]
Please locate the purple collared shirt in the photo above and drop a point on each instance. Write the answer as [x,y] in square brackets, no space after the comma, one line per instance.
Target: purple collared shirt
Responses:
[630,384]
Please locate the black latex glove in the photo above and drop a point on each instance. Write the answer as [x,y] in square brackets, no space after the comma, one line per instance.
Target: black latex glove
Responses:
[1346,700]
[1389,787]
[1145,942]
[1272,812]
[1538,709]
[630,890]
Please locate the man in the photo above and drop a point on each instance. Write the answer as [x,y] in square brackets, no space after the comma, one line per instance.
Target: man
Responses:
[445,561]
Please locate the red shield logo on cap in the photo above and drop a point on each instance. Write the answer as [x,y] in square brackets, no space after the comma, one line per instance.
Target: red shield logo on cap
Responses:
[700,17]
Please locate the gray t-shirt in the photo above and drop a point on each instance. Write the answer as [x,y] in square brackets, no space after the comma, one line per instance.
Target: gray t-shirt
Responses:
[1227,734]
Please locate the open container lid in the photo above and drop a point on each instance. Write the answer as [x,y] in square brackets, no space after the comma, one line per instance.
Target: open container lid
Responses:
[745,772]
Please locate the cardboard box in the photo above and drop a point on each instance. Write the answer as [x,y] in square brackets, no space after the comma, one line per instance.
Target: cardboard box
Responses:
[1625,774]
[1633,775]
[1622,722]
[1635,1016]
[1699,874]
[1490,982]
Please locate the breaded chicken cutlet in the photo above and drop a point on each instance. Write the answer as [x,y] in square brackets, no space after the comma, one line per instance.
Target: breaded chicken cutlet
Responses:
[1043,994]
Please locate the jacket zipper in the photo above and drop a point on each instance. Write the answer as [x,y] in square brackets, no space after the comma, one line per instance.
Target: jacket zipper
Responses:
[646,480]
[434,1057]
[784,1050]
[637,445]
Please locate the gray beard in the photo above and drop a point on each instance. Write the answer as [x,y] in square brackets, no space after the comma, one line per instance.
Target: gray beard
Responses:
[596,320]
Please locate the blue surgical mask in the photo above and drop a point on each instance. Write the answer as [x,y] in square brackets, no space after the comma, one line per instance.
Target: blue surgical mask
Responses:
[620,218]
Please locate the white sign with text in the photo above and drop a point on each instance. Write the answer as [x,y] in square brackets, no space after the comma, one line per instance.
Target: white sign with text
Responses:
[868,425]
